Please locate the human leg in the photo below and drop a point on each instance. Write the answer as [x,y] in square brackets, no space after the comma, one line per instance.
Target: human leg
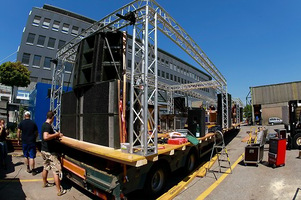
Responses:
[32,155]
[25,149]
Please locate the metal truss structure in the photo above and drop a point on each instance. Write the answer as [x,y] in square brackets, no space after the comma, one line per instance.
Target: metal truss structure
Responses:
[239,105]
[57,91]
[147,18]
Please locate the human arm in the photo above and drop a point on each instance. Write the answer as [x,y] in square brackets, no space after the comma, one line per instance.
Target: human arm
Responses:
[48,136]
[18,135]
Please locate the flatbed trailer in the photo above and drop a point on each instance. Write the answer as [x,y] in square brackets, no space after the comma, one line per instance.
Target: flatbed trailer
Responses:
[110,173]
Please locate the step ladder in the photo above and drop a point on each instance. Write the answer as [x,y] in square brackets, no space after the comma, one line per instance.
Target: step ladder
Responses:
[221,152]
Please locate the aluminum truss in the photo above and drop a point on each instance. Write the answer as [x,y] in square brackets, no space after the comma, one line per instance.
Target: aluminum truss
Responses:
[57,91]
[149,18]
[239,105]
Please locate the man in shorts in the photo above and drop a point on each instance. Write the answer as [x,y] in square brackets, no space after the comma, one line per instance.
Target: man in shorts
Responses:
[29,131]
[49,154]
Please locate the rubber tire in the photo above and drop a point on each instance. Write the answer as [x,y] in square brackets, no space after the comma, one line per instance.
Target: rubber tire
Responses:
[156,180]
[297,141]
[191,162]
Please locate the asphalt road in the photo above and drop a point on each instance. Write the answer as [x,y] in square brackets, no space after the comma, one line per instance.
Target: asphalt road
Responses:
[250,182]
[245,182]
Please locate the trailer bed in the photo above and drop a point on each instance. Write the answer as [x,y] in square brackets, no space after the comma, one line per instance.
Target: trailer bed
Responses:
[125,158]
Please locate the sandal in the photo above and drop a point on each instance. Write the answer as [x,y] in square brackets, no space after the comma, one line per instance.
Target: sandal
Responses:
[48,185]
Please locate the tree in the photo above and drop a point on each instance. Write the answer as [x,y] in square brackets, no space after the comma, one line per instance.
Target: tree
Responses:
[248,112]
[14,74]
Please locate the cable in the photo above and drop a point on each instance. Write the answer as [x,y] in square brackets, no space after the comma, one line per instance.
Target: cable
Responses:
[8,56]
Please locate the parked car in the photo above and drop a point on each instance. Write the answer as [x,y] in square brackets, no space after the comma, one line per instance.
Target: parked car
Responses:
[275,120]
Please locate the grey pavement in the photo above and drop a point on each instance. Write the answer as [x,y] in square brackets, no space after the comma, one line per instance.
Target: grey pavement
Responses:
[251,182]
[16,183]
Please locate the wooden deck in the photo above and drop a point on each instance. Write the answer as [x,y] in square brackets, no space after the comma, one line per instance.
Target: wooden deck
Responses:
[126,158]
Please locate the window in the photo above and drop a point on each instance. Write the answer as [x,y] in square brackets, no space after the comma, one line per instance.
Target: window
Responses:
[36,60]
[171,77]
[47,63]
[130,49]
[167,75]
[51,43]
[175,78]
[129,64]
[159,73]
[56,25]
[46,23]
[163,74]
[41,40]
[179,79]
[68,67]
[45,80]
[74,31]
[33,79]
[61,44]
[25,58]
[36,20]
[30,38]
[65,28]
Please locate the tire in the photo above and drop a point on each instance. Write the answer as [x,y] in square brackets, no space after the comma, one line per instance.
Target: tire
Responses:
[190,163]
[156,180]
[297,141]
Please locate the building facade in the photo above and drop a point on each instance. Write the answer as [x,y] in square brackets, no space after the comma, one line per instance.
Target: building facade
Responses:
[272,100]
[49,28]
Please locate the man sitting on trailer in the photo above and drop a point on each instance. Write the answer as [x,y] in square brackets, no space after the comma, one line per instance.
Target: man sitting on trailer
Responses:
[49,154]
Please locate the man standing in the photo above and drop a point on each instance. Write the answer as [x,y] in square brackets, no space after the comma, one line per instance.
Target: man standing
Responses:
[49,154]
[3,145]
[29,131]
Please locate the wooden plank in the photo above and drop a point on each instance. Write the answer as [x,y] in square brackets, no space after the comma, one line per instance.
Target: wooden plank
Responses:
[105,152]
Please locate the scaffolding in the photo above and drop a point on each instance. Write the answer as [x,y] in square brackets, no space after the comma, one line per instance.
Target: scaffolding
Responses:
[147,18]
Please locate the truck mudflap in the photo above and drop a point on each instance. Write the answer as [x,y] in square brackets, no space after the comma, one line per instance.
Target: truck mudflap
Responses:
[98,182]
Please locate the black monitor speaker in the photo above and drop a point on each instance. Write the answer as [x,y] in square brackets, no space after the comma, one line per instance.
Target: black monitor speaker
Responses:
[196,120]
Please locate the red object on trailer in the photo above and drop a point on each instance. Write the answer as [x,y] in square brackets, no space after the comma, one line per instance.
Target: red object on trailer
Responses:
[277,151]
[177,140]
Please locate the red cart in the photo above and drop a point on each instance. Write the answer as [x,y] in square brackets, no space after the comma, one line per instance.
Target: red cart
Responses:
[277,151]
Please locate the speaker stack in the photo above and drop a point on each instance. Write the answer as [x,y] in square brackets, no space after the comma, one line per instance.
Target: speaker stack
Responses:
[91,111]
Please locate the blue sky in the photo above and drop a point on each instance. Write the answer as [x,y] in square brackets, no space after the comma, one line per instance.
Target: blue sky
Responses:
[252,43]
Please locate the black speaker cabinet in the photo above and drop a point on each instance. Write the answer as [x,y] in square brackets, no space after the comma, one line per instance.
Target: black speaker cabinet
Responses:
[92,114]
[219,109]
[196,118]
[99,58]
[179,104]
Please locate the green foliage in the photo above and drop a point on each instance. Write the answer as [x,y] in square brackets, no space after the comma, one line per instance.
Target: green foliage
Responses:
[248,111]
[14,74]
[21,113]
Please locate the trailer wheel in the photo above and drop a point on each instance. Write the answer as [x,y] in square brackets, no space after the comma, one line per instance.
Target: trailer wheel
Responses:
[297,141]
[190,162]
[156,180]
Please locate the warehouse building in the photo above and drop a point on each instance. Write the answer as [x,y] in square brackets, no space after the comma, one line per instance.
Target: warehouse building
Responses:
[272,101]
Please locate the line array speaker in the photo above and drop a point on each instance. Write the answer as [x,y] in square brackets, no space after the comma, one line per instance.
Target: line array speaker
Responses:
[99,58]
